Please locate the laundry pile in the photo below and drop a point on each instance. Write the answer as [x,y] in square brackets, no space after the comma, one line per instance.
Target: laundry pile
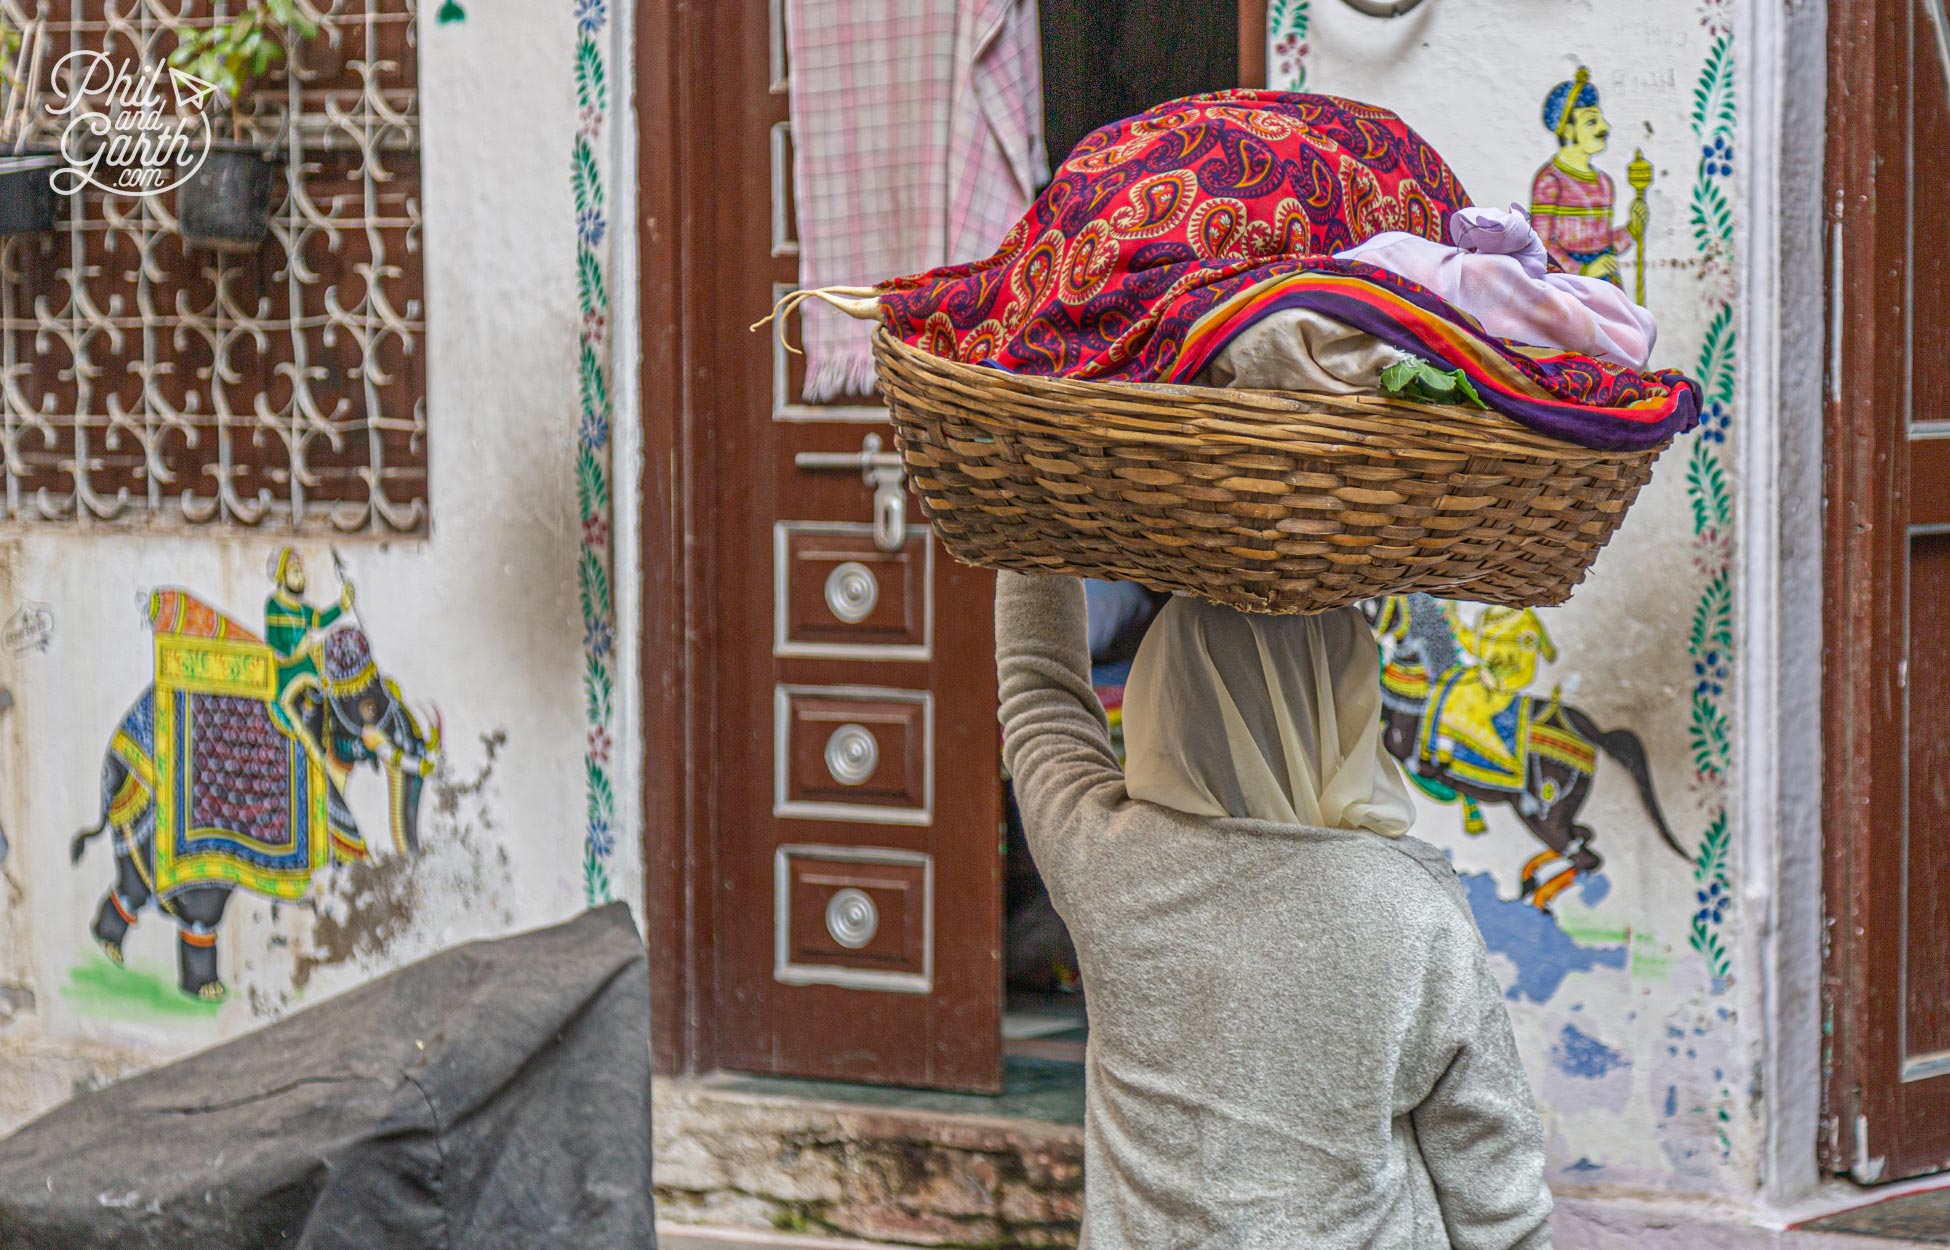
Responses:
[1295,242]
[1373,387]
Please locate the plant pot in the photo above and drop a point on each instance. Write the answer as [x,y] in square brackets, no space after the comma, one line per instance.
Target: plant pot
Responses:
[28,204]
[226,204]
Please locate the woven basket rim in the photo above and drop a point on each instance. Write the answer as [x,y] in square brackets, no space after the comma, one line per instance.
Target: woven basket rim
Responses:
[1207,412]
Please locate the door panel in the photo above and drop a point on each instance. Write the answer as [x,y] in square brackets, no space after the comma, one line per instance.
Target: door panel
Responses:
[858,927]
[1926,919]
[1887,571]
[839,595]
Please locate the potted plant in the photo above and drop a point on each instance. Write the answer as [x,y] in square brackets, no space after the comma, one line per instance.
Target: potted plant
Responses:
[28,204]
[226,204]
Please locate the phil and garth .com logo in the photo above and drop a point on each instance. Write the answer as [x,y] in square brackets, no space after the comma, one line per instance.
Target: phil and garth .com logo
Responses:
[120,131]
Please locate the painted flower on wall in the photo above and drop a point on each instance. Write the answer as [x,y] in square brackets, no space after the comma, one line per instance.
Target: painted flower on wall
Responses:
[1714,422]
[1716,158]
[1287,23]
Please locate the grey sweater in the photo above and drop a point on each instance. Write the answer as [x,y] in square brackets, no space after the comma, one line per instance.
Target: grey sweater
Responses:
[1296,1041]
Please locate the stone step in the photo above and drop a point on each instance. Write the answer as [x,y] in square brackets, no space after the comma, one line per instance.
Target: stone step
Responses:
[735,1154]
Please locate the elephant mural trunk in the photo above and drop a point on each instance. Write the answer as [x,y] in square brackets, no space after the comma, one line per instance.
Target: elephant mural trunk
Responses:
[79,846]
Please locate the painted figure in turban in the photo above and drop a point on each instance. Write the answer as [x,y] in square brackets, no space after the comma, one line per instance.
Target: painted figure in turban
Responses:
[1570,200]
[292,626]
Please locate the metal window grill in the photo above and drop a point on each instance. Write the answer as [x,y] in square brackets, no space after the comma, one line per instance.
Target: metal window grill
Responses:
[146,383]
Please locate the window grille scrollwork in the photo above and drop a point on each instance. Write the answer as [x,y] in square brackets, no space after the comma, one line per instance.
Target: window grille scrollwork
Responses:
[147,383]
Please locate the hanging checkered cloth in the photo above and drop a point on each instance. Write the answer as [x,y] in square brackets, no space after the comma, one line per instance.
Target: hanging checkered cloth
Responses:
[917,141]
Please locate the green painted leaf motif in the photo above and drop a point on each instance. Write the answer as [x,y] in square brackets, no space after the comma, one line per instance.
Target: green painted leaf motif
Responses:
[1709,737]
[592,483]
[1713,619]
[602,798]
[1710,862]
[590,75]
[588,586]
[1711,216]
[1708,491]
[598,689]
[595,878]
[1716,358]
[1720,494]
[1713,97]
[585,179]
[592,584]
[595,384]
[1708,943]
[590,287]
[1698,464]
[1287,17]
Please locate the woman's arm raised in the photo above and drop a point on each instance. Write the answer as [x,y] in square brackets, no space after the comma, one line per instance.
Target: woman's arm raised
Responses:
[1055,741]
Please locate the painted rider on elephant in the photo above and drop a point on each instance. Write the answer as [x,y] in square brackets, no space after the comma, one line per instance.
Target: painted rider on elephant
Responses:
[292,628]
[1477,728]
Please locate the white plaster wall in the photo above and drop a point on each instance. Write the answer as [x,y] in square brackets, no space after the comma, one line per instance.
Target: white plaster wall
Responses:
[480,618]
[1673,1102]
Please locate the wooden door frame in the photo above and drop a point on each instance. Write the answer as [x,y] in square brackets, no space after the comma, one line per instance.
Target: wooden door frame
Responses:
[1865,560]
[680,648]
[1252,43]
[679,645]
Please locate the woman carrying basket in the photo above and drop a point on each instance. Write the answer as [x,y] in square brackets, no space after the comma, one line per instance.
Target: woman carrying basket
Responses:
[1295,1036]
[1296,1040]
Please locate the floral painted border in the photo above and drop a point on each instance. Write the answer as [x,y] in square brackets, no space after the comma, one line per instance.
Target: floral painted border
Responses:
[1709,491]
[593,566]
[1287,23]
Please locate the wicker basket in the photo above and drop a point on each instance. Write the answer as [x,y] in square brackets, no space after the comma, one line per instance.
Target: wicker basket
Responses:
[1262,500]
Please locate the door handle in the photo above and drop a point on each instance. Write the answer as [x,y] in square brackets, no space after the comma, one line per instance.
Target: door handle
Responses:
[878,469]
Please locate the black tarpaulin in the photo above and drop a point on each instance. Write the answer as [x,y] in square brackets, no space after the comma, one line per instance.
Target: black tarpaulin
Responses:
[496,1095]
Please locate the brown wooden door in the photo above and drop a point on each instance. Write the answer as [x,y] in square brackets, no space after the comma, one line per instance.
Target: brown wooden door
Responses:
[843,918]
[1887,684]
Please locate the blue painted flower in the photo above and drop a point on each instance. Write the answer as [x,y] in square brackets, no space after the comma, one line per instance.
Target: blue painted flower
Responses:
[1716,158]
[590,228]
[598,636]
[1714,421]
[1710,674]
[590,15]
[601,839]
[595,429]
[1713,902]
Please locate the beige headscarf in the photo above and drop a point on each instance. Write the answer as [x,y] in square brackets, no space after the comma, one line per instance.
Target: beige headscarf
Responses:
[1277,718]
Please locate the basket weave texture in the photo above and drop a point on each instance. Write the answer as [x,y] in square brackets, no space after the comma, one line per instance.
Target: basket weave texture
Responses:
[1261,500]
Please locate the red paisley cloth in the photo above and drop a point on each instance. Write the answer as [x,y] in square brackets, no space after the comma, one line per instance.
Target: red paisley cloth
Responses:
[1166,235]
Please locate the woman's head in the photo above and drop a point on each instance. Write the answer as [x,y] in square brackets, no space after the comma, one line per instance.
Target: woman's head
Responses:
[1272,717]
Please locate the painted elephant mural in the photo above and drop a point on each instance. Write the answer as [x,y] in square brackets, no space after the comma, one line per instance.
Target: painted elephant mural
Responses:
[1457,713]
[229,770]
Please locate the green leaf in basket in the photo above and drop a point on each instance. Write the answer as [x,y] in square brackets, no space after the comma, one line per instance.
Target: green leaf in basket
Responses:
[1396,377]
[1411,377]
